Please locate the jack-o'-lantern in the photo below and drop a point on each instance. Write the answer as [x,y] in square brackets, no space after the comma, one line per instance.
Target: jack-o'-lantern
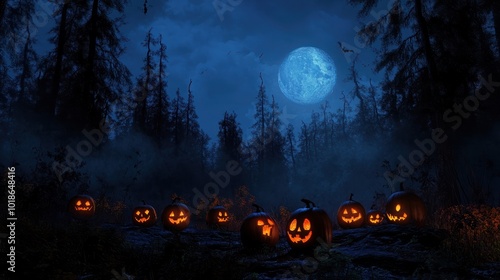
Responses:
[81,206]
[405,207]
[259,229]
[374,217]
[351,214]
[144,215]
[176,216]
[217,216]
[308,226]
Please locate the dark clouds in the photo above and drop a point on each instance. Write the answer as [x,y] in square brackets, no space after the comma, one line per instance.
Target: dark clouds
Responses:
[224,57]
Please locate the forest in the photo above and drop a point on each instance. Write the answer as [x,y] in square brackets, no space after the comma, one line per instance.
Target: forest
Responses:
[76,121]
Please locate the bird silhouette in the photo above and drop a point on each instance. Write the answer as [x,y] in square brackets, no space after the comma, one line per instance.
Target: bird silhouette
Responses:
[344,49]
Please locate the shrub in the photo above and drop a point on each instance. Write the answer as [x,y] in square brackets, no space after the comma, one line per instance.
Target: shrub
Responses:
[474,233]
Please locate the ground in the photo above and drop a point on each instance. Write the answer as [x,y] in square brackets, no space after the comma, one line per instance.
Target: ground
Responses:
[383,252]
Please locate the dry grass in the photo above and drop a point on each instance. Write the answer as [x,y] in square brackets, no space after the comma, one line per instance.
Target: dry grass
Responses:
[474,233]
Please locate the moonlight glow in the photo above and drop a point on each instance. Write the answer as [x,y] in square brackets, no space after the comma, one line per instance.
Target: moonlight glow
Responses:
[307,75]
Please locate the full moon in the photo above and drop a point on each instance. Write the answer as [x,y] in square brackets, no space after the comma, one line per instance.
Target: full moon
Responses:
[307,75]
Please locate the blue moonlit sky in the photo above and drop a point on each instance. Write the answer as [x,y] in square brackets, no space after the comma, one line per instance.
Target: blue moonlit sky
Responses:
[224,55]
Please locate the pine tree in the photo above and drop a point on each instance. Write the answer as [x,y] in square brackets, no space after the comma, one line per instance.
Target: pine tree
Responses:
[25,59]
[87,76]
[159,112]
[230,138]
[431,54]
[178,125]
[290,145]
[145,84]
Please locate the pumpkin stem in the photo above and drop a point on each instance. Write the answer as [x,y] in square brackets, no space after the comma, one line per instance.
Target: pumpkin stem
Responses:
[258,208]
[176,199]
[401,187]
[373,206]
[308,203]
[350,197]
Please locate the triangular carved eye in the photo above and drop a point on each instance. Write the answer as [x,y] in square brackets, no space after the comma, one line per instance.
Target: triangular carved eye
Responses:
[181,214]
[270,222]
[78,203]
[378,216]
[354,211]
[220,214]
[345,212]
[171,214]
[225,214]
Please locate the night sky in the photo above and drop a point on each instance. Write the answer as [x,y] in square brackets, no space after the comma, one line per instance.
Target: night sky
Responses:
[224,55]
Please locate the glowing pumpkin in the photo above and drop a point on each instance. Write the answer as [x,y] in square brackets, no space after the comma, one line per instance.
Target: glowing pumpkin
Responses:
[217,216]
[144,215]
[308,226]
[259,229]
[176,216]
[81,206]
[374,217]
[351,214]
[405,207]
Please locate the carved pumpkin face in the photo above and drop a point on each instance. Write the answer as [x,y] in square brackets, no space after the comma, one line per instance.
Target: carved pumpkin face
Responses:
[259,229]
[144,215]
[267,226]
[351,214]
[307,225]
[299,233]
[81,206]
[173,218]
[405,207]
[176,217]
[374,217]
[217,216]
[222,217]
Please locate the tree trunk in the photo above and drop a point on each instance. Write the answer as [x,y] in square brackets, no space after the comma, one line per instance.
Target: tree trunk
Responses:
[61,40]
[89,82]
[448,186]
[25,63]
[425,37]
[142,121]
[189,106]
[3,4]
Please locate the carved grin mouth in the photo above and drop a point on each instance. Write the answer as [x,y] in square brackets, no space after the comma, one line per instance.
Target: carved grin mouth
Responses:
[296,237]
[142,220]
[177,221]
[222,220]
[352,219]
[397,218]
[81,208]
